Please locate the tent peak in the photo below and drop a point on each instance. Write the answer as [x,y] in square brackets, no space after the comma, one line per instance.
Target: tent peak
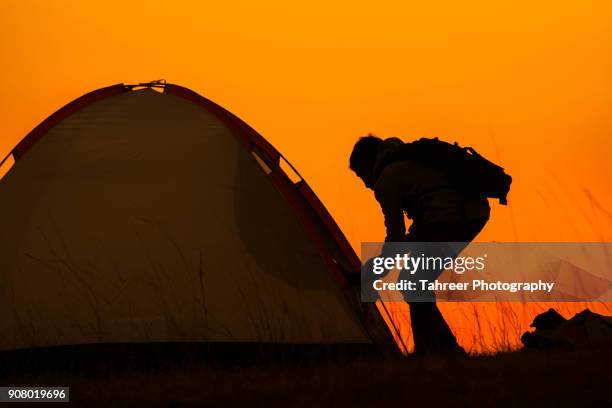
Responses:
[158,83]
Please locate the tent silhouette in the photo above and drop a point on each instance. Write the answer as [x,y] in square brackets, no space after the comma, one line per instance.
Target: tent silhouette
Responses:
[141,215]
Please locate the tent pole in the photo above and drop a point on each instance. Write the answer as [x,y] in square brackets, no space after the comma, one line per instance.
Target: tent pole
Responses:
[397,332]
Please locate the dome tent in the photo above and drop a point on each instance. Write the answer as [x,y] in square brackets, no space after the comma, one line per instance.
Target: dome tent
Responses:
[137,216]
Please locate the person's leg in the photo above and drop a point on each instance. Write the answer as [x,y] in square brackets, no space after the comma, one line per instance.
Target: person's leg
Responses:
[431,332]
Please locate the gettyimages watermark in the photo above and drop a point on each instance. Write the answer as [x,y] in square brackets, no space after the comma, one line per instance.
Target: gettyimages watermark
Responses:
[486,272]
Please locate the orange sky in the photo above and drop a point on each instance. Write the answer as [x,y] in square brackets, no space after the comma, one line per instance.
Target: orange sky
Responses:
[528,84]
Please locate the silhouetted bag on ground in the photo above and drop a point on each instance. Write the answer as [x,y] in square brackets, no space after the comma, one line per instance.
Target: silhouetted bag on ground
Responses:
[586,330]
[467,170]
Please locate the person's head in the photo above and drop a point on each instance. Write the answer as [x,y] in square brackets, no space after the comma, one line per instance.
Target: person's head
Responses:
[363,158]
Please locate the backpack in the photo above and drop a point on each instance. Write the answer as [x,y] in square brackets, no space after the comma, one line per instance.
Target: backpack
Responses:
[466,170]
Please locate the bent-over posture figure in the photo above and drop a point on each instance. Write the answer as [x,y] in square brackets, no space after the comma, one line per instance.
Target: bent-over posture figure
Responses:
[439,213]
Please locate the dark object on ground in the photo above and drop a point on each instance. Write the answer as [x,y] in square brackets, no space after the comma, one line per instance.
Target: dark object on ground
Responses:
[548,320]
[586,330]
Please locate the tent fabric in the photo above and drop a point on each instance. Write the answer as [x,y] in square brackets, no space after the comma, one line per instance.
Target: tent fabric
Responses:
[138,216]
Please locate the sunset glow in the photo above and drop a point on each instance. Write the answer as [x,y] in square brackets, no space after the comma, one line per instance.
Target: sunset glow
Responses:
[527,84]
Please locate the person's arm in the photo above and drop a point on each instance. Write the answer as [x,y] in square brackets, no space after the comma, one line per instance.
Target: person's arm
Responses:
[389,199]
[388,194]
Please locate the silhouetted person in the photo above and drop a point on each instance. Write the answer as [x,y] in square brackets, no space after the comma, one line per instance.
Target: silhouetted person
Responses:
[439,213]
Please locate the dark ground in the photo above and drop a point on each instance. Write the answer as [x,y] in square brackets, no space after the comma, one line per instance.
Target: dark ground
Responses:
[561,378]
